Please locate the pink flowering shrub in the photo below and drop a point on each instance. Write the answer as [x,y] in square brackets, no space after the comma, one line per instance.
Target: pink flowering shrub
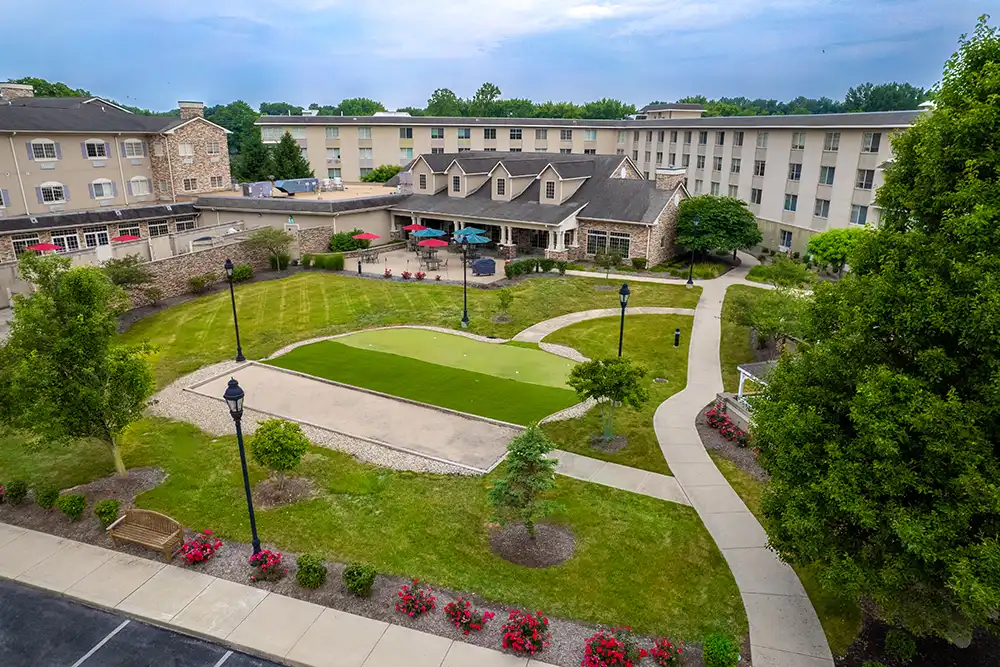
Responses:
[467,618]
[200,548]
[716,418]
[415,600]
[387,273]
[664,653]
[611,649]
[266,566]
[525,632]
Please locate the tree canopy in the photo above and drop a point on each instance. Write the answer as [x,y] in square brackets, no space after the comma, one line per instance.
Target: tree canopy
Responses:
[255,162]
[381,173]
[724,223]
[832,247]
[288,161]
[882,436]
[518,494]
[610,382]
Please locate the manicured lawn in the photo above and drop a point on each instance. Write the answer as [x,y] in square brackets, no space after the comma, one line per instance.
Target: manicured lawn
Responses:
[841,619]
[278,312]
[638,561]
[649,340]
[735,347]
[46,462]
[468,391]
[704,268]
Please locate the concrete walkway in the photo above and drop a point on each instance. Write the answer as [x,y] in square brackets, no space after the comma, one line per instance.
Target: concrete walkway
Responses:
[618,476]
[243,617]
[784,628]
[536,332]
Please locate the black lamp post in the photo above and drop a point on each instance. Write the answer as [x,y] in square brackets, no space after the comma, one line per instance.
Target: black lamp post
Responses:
[234,399]
[465,282]
[232,297]
[623,294]
[694,224]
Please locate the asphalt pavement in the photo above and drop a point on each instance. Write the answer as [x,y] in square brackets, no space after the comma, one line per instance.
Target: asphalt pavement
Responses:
[38,629]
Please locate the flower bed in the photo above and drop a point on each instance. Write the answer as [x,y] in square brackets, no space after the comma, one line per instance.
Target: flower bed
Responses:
[467,618]
[611,648]
[525,633]
[200,549]
[664,652]
[415,600]
[718,419]
[266,566]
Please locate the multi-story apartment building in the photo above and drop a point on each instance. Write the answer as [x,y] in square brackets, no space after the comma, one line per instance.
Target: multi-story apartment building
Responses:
[799,174]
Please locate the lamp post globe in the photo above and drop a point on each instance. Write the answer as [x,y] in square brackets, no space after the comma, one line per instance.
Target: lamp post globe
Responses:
[465,282]
[694,232]
[228,266]
[623,295]
[233,397]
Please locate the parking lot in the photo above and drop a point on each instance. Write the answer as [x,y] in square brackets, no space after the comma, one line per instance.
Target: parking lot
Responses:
[41,629]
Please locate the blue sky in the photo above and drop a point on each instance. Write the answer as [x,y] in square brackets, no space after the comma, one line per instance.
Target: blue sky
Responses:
[398,51]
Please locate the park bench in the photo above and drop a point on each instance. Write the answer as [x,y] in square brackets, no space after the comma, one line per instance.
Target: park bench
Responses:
[148,529]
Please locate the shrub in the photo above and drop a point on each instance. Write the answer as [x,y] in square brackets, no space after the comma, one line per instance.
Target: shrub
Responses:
[664,652]
[415,600]
[639,263]
[3,492]
[359,579]
[153,294]
[509,270]
[107,511]
[16,491]
[607,261]
[419,275]
[720,651]
[873,663]
[308,259]
[611,648]
[279,262]
[562,266]
[335,262]
[387,274]
[72,505]
[200,284]
[310,572]
[200,549]
[279,445]
[46,497]
[506,297]
[345,241]
[266,566]
[525,633]
[467,618]
[900,646]
[242,273]
[405,275]
[546,265]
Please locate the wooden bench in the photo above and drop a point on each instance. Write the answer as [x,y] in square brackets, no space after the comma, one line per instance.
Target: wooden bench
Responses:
[148,529]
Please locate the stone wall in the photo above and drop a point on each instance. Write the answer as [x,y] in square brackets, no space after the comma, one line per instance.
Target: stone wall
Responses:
[639,235]
[203,166]
[663,234]
[315,239]
[630,171]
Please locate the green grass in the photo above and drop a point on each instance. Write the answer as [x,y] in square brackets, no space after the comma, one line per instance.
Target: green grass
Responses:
[704,269]
[44,461]
[278,312]
[735,347]
[638,561]
[455,388]
[649,340]
[513,363]
[840,618]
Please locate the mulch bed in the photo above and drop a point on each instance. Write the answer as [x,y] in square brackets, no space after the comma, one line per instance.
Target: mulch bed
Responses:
[741,456]
[553,544]
[615,444]
[271,493]
[931,651]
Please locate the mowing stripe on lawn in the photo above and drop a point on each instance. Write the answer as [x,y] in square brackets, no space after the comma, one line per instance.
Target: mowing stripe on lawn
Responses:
[455,388]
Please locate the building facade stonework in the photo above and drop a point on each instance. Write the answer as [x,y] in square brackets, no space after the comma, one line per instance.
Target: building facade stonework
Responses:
[171,274]
[182,176]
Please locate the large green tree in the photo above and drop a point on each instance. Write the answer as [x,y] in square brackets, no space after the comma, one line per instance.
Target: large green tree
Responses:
[238,117]
[381,173]
[358,106]
[832,247]
[288,161]
[882,437]
[724,223]
[255,162]
[45,88]
[65,374]
[486,101]
[608,108]
[884,97]
[444,102]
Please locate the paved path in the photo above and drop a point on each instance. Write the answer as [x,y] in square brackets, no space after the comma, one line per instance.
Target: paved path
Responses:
[784,628]
[536,332]
[270,625]
[618,476]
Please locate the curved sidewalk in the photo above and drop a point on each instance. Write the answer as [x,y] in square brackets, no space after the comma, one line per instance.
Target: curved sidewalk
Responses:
[784,628]
[536,332]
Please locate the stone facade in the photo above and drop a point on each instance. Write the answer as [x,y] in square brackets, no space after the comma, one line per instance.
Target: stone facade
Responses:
[662,235]
[171,274]
[630,172]
[315,239]
[171,168]
[638,235]
[12,91]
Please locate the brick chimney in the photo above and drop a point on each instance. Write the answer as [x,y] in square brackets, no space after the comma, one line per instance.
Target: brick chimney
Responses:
[668,178]
[191,110]
[12,91]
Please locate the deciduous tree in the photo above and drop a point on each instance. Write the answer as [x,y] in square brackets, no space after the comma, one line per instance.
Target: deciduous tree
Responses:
[278,444]
[610,382]
[444,102]
[833,247]
[884,97]
[359,106]
[381,173]
[724,223]
[275,242]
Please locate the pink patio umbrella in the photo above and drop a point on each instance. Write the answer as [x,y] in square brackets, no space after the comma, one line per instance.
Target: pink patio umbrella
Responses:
[433,243]
[367,236]
[125,237]
[414,227]
[43,247]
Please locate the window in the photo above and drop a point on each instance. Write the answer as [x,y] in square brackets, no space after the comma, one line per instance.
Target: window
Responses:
[717,164]
[794,171]
[785,242]
[297,132]
[565,151]
[215,181]
[270,133]
[672,159]
[131,229]
[489,133]
[649,136]
[762,139]
[365,154]
[714,188]
[646,157]
[865,179]
[158,229]
[660,135]
[333,133]
[685,160]
[96,236]
[659,157]
[673,136]
[565,135]
[364,171]
[621,136]
[619,242]
[405,153]
[798,141]
[406,133]
[190,184]
[466,149]
[541,134]
[540,150]
[139,185]
[437,133]
[67,241]
[700,162]
[95,149]
[135,148]
[758,167]
[735,165]
[43,149]
[515,134]
[589,135]
[831,142]
[870,142]
[699,185]
[597,242]
[464,133]
[183,225]
[822,209]
[102,189]
[158,149]
[791,202]
[212,148]
[364,133]
[333,172]
[437,151]
[756,194]
[423,181]
[619,151]
[515,150]
[51,193]
[456,183]
[738,138]
[826,175]
[590,151]
[185,150]
[501,186]
[859,214]
[550,189]
[734,190]
[703,138]
[720,138]
[22,241]
[163,186]
[687,137]
[333,153]
[490,150]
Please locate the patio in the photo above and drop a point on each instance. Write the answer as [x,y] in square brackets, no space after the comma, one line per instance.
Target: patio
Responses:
[449,266]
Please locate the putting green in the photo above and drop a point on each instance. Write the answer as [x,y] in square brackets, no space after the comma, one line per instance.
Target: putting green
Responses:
[504,361]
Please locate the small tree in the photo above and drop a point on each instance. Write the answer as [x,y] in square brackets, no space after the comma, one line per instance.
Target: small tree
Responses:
[833,247]
[784,272]
[288,160]
[381,173]
[607,261]
[128,272]
[724,223]
[517,496]
[773,314]
[506,296]
[279,445]
[345,241]
[273,241]
[610,382]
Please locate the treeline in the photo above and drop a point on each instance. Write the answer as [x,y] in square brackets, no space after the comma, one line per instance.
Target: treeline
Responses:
[866,97]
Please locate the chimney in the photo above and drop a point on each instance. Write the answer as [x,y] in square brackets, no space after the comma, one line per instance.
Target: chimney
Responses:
[12,91]
[191,110]
[668,178]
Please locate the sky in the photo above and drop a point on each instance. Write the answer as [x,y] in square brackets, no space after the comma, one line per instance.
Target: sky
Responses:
[153,53]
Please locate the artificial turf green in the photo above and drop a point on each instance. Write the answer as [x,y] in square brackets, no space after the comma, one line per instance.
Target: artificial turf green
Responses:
[467,391]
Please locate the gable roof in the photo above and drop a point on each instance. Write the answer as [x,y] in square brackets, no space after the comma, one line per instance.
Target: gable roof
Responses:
[78,115]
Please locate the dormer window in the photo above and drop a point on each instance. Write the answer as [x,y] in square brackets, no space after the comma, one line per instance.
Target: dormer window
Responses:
[456,183]
[423,181]
[550,189]
[502,186]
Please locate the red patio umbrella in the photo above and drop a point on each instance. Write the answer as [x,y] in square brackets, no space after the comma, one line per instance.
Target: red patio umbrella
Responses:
[414,227]
[433,243]
[42,247]
[367,236]
[125,237]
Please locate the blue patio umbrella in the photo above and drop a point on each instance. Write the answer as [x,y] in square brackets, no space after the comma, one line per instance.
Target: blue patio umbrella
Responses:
[475,238]
[429,233]
[466,231]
